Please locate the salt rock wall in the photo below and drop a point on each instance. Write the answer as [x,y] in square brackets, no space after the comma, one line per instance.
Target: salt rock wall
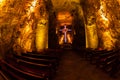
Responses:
[102,21]
[20,21]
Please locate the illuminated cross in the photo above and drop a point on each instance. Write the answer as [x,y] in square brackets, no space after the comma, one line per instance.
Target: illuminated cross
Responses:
[65,30]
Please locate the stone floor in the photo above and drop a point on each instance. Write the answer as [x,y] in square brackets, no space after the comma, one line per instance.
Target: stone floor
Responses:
[74,67]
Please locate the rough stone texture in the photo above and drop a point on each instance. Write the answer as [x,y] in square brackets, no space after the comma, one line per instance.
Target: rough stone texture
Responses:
[106,18]
[18,23]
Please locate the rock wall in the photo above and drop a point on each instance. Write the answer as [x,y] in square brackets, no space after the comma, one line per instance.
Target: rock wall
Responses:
[20,21]
[102,23]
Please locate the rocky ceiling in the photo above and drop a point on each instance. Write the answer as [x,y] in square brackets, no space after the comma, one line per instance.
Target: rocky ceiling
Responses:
[65,6]
[60,5]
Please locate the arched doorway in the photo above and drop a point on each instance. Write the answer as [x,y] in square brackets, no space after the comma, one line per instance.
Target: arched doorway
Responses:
[65,29]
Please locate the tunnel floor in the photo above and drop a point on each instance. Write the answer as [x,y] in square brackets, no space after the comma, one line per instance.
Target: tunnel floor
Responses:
[74,67]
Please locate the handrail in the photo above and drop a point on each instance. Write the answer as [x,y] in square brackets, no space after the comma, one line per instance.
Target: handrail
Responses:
[31,58]
[31,63]
[2,74]
[23,72]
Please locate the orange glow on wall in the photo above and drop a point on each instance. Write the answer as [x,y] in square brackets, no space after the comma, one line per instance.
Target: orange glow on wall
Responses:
[61,39]
[32,7]
[34,32]
[106,33]
[64,18]
[91,33]
[2,2]
[69,38]
[42,35]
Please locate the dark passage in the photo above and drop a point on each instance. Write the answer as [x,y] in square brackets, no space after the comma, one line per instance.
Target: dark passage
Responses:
[73,67]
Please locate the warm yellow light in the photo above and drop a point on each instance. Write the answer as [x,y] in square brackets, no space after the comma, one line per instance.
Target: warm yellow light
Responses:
[25,40]
[91,33]
[2,2]
[28,45]
[102,8]
[102,15]
[42,35]
[64,17]
[108,40]
[27,29]
[61,40]
[69,38]
[107,34]
[118,1]
[32,7]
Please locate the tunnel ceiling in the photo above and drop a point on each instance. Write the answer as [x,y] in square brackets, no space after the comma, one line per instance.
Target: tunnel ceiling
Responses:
[61,5]
[65,6]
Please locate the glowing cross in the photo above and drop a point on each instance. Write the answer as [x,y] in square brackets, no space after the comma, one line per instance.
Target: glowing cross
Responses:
[65,30]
